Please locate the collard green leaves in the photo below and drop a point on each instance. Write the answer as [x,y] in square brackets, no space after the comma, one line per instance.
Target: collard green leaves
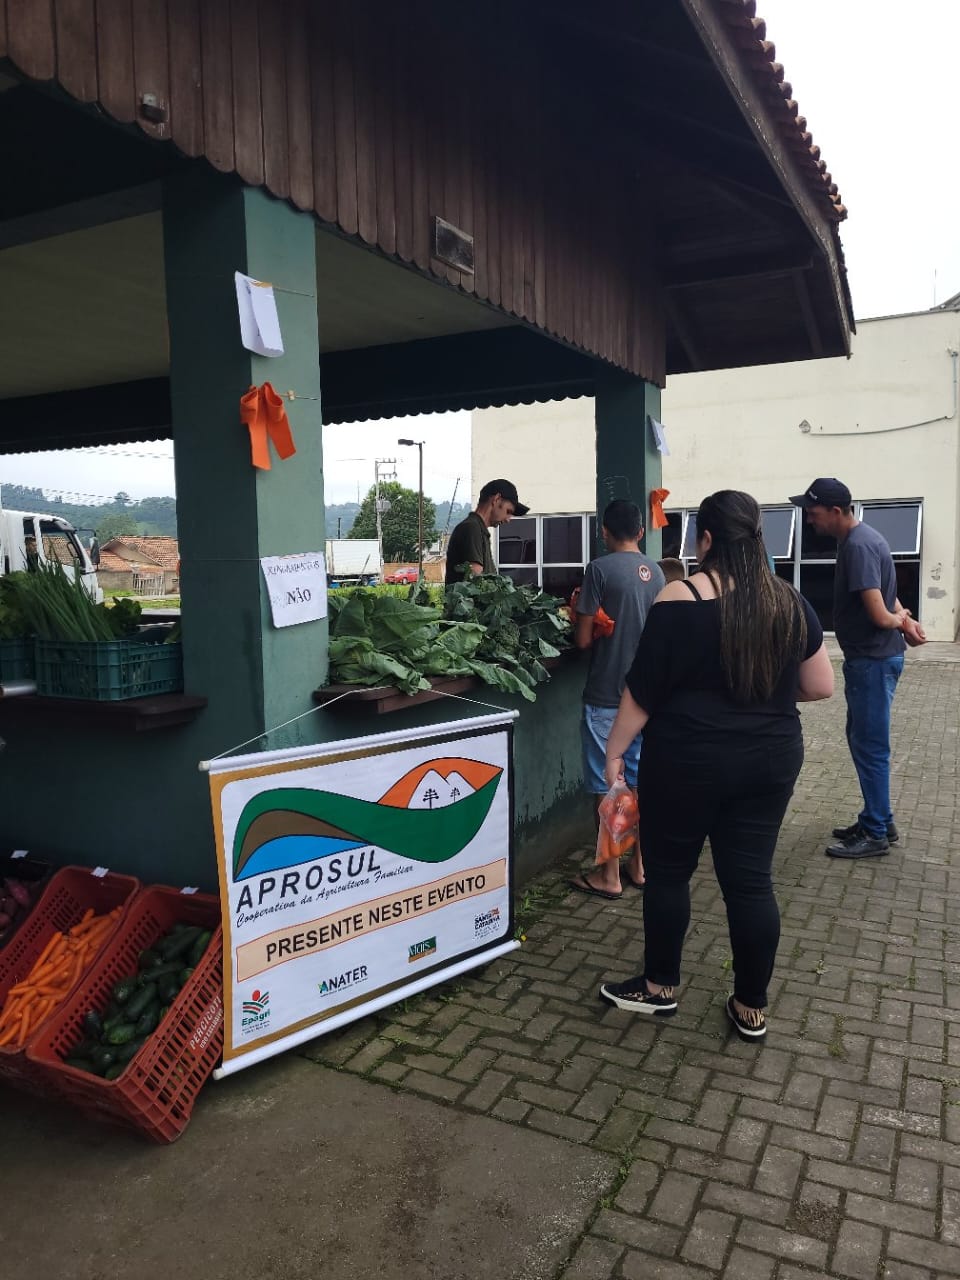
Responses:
[488,627]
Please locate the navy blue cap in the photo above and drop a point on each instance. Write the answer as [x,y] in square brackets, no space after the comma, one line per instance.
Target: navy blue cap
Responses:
[825,492]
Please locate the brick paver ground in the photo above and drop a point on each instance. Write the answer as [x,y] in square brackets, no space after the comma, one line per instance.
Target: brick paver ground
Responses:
[831,1150]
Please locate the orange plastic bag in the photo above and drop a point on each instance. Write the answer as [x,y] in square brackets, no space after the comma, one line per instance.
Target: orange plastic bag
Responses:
[609,846]
[619,816]
[603,624]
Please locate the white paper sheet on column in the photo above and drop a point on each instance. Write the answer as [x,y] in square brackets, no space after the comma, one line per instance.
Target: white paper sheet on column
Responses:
[297,586]
[259,322]
[660,436]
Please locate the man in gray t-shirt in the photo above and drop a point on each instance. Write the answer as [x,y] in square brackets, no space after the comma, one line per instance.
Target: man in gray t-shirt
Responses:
[620,587]
[872,627]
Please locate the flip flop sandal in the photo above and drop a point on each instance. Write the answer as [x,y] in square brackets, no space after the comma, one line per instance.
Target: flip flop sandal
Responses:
[634,884]
[583,885]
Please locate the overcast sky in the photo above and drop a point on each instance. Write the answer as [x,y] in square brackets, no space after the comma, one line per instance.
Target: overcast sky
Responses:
[877,83]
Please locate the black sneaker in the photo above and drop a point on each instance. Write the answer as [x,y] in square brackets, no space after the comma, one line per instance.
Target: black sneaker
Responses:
[855,829]
[860,846]
[751,1025]
[633,995]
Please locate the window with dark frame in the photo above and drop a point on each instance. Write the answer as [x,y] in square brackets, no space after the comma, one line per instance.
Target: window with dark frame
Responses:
[562,539]
[673,534]
[517,542]
[899,523]
[549,551]
[778,524]
[807,560]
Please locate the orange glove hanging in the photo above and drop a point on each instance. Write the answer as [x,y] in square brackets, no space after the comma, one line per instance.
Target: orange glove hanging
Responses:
[657,498]
[261,408]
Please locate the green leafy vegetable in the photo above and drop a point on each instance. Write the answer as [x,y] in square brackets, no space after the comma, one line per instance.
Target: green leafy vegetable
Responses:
[488,627]
[47,602]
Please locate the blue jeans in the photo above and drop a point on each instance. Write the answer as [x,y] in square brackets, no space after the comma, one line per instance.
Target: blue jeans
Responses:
[869,684]
[595,729]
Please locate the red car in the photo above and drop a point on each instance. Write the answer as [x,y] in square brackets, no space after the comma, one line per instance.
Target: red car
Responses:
[402,575]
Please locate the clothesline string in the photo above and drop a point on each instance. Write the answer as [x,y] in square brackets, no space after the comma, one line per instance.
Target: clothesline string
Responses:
[477,702]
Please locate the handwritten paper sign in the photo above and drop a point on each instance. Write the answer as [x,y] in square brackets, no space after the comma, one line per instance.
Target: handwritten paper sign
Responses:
[297,586]
[660,436]
[259,322]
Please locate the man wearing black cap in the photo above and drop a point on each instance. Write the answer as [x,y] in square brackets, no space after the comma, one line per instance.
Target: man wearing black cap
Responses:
[871,626]
[470,541]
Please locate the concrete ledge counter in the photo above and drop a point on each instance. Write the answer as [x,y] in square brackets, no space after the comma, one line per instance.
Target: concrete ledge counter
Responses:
[139,715]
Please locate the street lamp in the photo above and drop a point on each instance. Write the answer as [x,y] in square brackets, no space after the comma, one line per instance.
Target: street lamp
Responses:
[419,445]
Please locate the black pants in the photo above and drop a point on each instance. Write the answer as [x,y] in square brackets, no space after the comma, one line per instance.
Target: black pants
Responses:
[736,794]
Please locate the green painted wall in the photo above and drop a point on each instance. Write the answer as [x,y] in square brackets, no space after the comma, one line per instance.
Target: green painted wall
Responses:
[229,513]
[137,802]
[628,461]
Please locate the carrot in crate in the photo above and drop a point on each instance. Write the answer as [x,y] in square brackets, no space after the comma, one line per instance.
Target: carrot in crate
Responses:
[54,975]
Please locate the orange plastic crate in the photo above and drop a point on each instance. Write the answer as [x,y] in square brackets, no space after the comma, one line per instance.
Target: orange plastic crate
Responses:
[71,892]
[156,1093]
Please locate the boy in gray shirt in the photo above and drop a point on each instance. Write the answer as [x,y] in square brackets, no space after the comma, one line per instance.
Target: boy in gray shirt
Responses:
[623,585]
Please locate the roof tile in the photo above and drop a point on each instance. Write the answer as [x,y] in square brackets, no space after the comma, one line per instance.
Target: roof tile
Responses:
[161,550]
[749,34]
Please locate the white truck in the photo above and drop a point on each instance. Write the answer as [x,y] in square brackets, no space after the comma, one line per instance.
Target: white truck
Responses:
[29,537]
[353,562]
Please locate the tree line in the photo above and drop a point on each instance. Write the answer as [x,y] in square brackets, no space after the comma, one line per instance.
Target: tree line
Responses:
[153,517]
[122,515]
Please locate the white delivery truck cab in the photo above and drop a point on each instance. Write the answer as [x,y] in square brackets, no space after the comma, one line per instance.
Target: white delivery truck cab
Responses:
[28,538]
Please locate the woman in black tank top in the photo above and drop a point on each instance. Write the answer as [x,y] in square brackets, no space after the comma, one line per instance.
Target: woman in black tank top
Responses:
[721,664]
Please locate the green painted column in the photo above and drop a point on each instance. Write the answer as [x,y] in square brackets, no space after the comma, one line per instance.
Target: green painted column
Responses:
[229,513]
[628,461]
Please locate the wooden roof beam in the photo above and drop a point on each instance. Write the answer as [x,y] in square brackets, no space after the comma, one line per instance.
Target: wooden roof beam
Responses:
[743,87]
[616,40]
[749,267]
[684,331]
[113,206]
[808,313]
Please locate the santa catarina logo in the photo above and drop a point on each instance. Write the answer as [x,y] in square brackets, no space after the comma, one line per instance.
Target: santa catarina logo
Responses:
[429,815]
[486,923]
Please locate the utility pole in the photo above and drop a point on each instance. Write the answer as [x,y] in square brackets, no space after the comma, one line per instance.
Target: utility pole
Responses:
[383,469]
[446,527]
[418,445]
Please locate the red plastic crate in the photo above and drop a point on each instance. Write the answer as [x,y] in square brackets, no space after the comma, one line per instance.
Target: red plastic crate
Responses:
[156,1093]
[71,892]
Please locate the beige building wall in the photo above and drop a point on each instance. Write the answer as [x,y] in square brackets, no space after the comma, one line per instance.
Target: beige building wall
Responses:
[547,450]
[885,421]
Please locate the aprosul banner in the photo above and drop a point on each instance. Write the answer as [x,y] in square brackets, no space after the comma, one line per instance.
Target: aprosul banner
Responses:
[355,873]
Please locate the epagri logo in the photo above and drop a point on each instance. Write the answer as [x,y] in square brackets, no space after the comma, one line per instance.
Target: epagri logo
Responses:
[427,947]
[341,981]
[256,1013]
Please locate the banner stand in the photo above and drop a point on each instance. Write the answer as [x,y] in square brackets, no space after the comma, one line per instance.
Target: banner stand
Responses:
[339,1020]
[355,874]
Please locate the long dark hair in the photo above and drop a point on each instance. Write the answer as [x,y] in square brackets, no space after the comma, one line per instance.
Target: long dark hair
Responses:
[762,624]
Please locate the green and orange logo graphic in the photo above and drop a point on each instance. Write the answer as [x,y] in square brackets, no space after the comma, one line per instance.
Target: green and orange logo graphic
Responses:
[428,815]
